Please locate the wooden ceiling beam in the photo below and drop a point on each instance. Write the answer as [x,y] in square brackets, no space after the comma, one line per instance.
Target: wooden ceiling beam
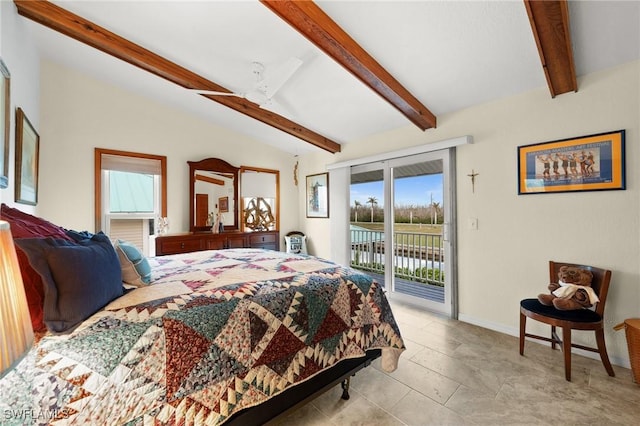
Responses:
[209,180]
[550,24]
[84,31]
[321,30]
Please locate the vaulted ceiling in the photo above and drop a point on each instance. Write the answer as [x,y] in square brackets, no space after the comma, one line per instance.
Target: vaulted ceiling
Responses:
[367,66]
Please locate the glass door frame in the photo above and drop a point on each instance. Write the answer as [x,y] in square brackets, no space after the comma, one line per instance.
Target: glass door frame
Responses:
[450,306]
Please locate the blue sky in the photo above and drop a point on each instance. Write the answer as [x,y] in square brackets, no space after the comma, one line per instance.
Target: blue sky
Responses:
[409,191]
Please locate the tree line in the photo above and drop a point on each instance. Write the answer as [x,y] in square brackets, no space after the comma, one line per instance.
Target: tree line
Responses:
[412,213]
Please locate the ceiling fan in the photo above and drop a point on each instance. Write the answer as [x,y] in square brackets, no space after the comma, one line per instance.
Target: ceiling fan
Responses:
[267,83]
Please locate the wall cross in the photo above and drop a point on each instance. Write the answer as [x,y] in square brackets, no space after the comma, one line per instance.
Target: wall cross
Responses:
[473,180]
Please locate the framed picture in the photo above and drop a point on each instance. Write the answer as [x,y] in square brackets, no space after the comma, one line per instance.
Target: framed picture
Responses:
[318,195]
[5,120]
[223,204]
[27,152]
[586,163]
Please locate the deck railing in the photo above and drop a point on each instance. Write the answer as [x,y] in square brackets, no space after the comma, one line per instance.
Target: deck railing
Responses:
[418,257]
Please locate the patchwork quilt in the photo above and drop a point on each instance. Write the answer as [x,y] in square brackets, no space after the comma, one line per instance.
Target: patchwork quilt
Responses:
[215,332]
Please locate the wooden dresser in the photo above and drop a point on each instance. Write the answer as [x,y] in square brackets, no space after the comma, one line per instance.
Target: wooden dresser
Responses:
[198,241]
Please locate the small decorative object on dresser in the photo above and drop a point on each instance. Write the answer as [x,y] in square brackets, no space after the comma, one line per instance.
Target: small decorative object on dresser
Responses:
[162,225]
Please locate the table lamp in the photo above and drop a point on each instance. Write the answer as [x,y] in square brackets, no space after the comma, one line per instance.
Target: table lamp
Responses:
[16,333]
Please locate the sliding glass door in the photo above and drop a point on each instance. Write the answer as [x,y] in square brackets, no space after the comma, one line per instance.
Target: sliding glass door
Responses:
[401,227]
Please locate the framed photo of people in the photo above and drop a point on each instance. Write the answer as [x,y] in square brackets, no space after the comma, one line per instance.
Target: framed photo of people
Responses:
[586,163]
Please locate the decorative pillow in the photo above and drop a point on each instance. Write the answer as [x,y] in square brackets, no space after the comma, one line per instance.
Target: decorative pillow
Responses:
[296,244]
[78,235]
[79,278]
[24,225]
[135,267]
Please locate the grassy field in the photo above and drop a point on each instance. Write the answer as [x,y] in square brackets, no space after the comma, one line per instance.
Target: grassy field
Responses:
[403,227]
[435,231]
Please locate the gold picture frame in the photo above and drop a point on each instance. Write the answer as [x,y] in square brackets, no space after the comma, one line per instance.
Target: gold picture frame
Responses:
[27,160]
[586,163]
[5,122]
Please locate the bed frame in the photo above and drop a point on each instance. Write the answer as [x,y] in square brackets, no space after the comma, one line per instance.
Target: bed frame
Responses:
[305,391]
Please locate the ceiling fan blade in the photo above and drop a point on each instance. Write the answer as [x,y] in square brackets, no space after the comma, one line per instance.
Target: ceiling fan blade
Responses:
[214,93]
[276,77]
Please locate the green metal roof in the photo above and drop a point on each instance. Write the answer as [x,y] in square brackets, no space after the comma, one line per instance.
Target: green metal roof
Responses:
[130,192]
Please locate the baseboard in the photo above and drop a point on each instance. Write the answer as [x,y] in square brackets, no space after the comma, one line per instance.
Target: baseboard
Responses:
[501,328]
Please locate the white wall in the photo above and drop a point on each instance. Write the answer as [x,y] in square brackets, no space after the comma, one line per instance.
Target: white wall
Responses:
[505,260]
[18,52]
[80,113]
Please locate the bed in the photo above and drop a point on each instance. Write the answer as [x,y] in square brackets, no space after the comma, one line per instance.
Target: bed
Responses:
[216,337]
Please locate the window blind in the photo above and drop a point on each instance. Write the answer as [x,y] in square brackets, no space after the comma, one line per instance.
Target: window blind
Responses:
[148,166]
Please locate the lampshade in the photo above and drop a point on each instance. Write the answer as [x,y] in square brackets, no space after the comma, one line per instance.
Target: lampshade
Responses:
[258,185]
[16,333]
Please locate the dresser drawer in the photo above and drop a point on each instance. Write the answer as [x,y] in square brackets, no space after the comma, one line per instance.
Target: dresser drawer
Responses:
[262,239]
[215,244]
[236,242]
[180,246]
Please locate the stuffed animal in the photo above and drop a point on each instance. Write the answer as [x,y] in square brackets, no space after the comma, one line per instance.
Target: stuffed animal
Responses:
[572,291]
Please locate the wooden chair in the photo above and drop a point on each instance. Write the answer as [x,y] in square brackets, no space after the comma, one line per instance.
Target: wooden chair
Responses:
[581,319]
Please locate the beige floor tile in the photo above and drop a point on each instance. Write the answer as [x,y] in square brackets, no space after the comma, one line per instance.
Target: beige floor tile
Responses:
[424,337]
[379,387]
[307,415]
[416,409]
[353,412]
[426,381]
[481,379]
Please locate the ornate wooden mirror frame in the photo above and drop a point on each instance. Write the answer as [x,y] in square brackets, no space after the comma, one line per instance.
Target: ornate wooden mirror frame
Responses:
[222,168]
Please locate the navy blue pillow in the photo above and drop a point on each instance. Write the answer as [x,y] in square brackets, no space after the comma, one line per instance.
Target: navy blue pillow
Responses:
[79,235]
[79,278]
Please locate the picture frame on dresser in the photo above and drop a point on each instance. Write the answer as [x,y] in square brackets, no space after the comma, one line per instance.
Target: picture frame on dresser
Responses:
[5,123]
[27,159]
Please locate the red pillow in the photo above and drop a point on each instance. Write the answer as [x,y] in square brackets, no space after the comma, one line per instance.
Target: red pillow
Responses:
[24,225]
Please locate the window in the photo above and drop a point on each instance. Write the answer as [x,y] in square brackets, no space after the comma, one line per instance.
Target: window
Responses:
[130,194]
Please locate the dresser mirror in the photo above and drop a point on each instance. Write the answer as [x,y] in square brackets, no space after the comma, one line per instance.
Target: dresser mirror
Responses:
[260,199]
[213,195]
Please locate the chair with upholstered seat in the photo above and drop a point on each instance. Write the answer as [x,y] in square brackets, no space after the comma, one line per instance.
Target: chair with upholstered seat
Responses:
[580,319]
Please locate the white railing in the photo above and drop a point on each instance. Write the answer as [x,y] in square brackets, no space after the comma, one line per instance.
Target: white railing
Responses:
[417,257]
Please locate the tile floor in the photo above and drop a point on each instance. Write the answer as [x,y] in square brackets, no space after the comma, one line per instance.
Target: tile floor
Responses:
[454,373]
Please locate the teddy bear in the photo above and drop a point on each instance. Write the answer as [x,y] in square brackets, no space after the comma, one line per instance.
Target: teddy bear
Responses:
[572,291]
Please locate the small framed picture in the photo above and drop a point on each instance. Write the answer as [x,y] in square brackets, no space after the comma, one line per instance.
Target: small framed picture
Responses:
[318,195]
[223,204]
[586,163]
[27,153]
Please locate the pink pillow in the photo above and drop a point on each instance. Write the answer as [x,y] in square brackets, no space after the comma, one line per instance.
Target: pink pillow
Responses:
[24,225]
